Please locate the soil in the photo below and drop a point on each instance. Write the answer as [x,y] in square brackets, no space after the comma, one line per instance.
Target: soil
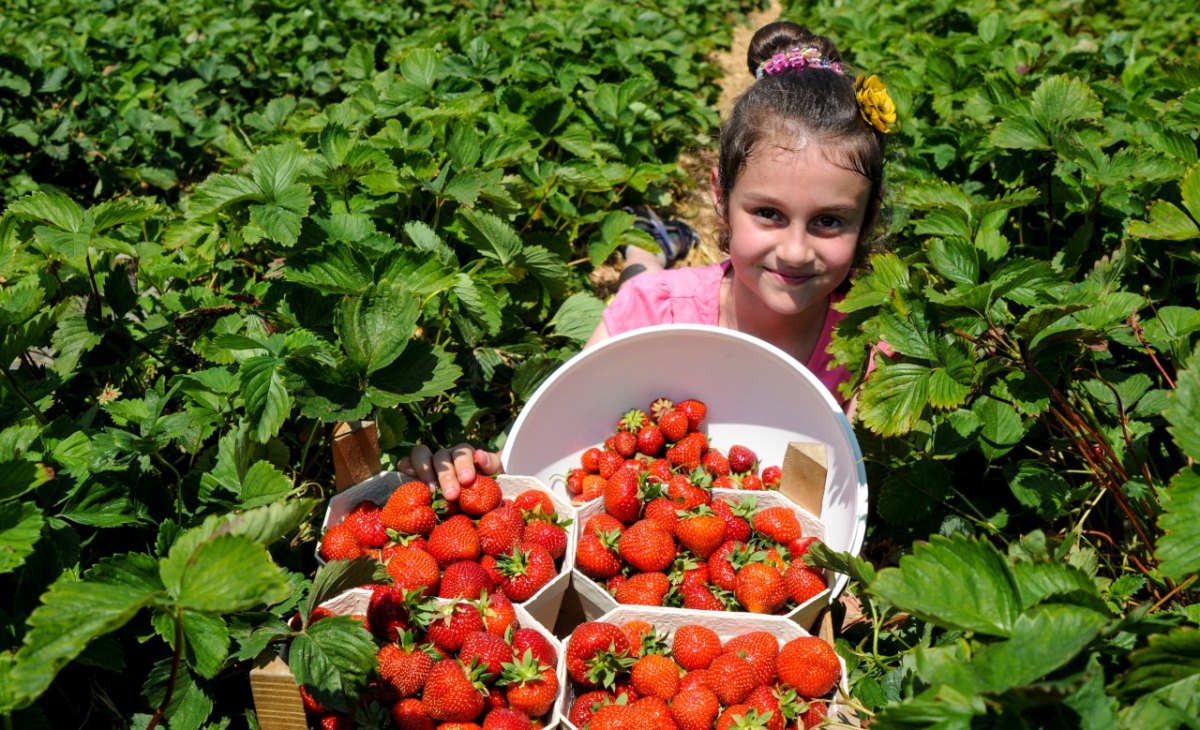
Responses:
[695,202]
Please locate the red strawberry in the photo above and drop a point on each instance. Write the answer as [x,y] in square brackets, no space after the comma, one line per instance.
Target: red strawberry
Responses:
[409,714]
[409,519]
[650,440]
[751,482]
[593,487]
[647,547]
[632,420]
[602,522]
[489,650]
[723,564]
[492,568]
[480,497]
[311,705]
[657,713]
[534,502]
[618,717]
[777,523]
[771,476]
[695,708]
[700,531]
[414,569]
[814,715]
[625,443]
[530,686]
[464,579]
[549,535]
[410,494]
[715,463]
[527,639]
[759,588]
[799,546]
[700,596]
[575,480]
[622,495]
[365,519]
[644,589]
[760,647]
[663,511]
[742,459]
[654,675]
[454,540]
[674,426]
[659,470]
[735,514]
[695,411]
[500,530]
[590,460]
[693,679]
[497,612]
[449,625]
[659,407]
[686,494]
[451,694]
[387,613]
[810,665]
[609,462]
[340,542]
[586,705]
[740,717]
[596,557]
[525,571]
[695,647]
[505,718]
[405,666]
[724,482]
[802,582]
[597,653]
[764,701]
[335,722]
[732,678]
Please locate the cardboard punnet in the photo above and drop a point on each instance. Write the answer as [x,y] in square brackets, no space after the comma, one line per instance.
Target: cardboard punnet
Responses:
[757,395]
[727,626]
[277,702]
[596,600]
[544,604]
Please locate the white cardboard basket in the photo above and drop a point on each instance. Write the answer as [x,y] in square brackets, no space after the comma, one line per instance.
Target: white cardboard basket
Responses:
[597,601]
[727,626]
[356,600]
[757,395]
[544,604]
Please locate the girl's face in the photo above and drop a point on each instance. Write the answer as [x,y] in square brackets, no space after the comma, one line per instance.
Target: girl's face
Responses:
[795,219]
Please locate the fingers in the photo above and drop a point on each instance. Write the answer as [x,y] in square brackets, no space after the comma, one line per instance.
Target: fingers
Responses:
[488,462]
[420,464]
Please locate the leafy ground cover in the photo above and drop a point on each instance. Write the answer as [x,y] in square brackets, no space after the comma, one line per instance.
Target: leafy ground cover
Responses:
[229,227]
[1031,448]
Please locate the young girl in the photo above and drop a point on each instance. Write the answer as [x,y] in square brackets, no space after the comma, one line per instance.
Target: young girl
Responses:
[797,190]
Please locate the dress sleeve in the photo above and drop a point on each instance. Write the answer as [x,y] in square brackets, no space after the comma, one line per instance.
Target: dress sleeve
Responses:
[640,302]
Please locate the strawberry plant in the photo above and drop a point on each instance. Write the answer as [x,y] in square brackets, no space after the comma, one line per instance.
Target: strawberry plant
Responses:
[1028,441]
[362,212]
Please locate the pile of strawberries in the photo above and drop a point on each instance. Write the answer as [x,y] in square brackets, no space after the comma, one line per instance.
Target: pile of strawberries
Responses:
[712,554]
[633,676]
[664,446]
[440,662]
[457,549]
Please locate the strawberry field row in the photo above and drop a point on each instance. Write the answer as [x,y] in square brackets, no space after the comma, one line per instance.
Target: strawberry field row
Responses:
[1037,422]
[374,210]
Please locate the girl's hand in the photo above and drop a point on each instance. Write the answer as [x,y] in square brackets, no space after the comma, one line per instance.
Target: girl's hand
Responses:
[452,468]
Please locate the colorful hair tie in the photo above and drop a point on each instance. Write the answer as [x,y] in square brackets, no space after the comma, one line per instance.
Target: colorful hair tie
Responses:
[797,58]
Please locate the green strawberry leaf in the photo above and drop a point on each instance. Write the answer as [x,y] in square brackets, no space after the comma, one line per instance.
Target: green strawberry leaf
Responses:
[20,528]
[72,614]
[333,658]
[928,584]
[227,573]
[263,484]
[376,326]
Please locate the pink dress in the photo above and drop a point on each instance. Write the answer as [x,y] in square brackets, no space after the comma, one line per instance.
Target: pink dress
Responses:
[692,296]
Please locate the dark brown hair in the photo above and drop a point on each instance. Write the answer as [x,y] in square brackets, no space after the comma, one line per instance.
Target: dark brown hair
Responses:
[816,102]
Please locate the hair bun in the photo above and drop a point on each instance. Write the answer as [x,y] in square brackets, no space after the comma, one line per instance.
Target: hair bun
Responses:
[782,35]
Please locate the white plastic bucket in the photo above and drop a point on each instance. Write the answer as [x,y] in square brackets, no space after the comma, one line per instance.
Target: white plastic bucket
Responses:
[757,395]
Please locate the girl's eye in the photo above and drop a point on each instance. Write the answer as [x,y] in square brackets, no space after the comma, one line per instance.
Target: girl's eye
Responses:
[827,221]
[768,213]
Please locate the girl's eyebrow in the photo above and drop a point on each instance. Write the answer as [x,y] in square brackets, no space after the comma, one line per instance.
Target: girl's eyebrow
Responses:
[771,201]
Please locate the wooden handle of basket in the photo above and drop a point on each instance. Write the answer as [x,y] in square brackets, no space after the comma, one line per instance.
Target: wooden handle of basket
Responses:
[355,452]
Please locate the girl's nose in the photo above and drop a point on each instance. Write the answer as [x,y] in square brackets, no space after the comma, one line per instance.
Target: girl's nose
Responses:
[796,249]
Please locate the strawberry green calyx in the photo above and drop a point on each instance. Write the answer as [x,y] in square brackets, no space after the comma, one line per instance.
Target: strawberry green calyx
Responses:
[523,669]
[607,665]
[632,420]
[654,641]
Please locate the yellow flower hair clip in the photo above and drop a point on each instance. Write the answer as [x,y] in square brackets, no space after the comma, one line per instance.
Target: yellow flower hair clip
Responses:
[875,104]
